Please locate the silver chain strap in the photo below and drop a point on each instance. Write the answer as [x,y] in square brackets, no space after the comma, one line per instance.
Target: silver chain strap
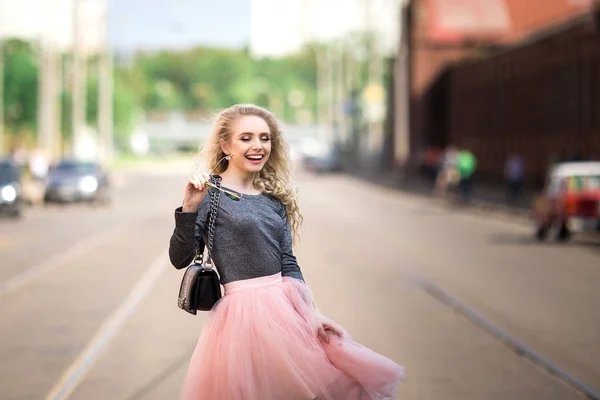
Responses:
[214,207]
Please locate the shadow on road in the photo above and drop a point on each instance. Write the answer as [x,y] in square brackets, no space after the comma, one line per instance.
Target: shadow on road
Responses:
[584,242]
[512,239]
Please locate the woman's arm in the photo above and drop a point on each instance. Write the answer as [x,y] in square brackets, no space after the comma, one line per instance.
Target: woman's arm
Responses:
[187,236]
[289,264]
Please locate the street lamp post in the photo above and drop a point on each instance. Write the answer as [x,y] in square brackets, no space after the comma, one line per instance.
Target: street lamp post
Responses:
[79,64]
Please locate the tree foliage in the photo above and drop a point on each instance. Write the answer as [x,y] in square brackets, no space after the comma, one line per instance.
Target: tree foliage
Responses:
[20,85]
[205,79]
[199,80]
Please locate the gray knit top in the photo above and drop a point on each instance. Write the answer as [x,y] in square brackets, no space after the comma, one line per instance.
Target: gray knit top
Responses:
[252,238]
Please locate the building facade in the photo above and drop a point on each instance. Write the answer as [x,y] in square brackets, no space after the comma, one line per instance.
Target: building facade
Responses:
[539,99]
[439,34]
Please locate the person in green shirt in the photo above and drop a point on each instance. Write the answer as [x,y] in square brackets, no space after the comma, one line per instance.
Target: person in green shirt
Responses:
[466,163]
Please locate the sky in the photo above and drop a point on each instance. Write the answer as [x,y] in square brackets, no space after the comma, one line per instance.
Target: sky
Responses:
[134,24]
[147,24]
[282,25]
[270,27]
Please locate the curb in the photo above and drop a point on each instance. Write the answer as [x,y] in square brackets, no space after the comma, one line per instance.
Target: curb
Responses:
[476,206]
[504,212]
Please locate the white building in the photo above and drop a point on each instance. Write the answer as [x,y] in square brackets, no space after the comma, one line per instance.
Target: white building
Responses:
[51,22]
[281,27]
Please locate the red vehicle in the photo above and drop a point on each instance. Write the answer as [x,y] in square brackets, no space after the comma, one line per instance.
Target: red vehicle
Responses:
[571,201]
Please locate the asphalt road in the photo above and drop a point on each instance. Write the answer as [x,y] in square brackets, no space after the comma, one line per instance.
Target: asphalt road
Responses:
[88,298]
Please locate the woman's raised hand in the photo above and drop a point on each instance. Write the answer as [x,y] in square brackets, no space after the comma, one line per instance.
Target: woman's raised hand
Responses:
[195,192]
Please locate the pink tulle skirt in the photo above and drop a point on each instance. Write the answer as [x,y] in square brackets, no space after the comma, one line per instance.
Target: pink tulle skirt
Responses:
[260,342]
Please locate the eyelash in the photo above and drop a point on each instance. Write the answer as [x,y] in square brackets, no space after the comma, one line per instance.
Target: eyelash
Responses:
[266,139]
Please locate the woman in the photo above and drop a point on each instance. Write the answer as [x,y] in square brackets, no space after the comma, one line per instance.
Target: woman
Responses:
[264,339]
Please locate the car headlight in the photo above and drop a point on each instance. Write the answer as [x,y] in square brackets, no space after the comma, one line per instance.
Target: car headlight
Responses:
[9,193]
[88,184]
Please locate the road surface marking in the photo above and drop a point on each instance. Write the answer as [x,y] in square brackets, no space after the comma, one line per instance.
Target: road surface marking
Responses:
[43,267]
[502,336]
[109,328]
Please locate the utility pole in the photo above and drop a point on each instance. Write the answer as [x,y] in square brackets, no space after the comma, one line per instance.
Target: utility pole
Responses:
[340,95]
[375,96]
[54,100]
[402,90]
[322,100]
[350,85]
[44,135]
[1,95]
[307,10]
[105,94]
[331,100]
[79,78]
[325,92]
[105,106]
[48,122]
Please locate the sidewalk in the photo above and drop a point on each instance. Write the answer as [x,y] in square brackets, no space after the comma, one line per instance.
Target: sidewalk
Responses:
[486,197]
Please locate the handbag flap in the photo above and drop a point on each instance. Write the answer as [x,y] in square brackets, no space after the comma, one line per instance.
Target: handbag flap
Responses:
[187,288]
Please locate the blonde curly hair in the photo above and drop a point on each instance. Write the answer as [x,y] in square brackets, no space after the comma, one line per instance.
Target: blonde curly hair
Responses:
[275,178]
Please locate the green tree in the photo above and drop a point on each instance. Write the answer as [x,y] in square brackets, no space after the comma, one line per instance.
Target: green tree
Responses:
[204,79]
[199,80]
[20,86]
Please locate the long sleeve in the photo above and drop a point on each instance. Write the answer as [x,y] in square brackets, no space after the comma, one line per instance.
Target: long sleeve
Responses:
[187,235]
[289,264]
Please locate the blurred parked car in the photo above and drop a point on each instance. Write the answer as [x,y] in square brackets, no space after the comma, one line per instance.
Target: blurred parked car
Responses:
[570,202]
[10,189]
[75,181]
[320,158]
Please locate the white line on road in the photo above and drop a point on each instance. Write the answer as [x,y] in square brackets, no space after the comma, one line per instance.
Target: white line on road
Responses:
[78,249]
[109,328]
[446,298]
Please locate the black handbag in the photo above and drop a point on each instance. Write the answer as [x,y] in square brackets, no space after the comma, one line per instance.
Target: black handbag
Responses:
[200,287]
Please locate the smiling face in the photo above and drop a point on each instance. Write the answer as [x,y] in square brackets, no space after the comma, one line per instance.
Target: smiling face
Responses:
[249,144]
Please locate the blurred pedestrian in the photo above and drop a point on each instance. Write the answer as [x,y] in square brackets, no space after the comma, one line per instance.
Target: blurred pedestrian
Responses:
[19,156]
[448,177]
[432,162]
[514,173]
[264,339]
[38,165]
[465,164]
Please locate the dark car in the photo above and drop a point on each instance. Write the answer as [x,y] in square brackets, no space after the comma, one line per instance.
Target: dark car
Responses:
[75,181]
[11,200]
